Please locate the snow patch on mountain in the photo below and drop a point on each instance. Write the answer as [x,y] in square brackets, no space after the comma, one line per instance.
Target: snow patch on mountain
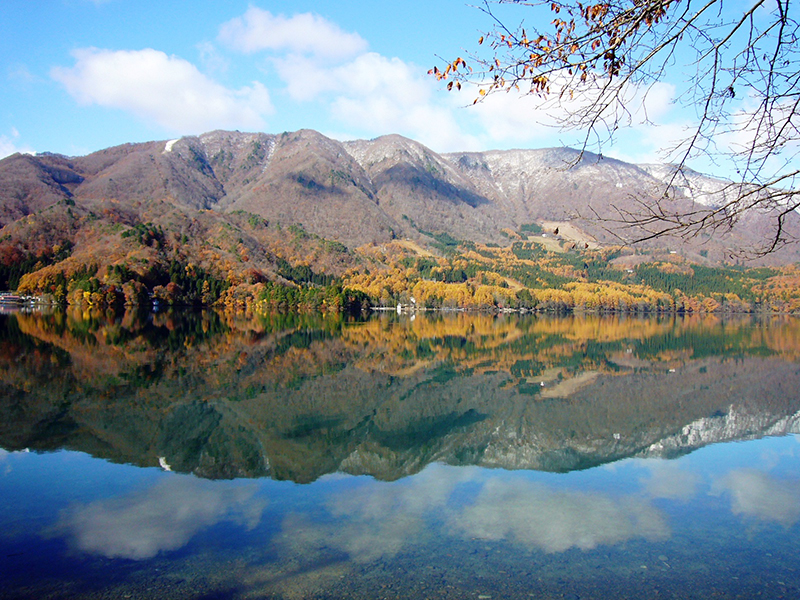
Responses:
[703,189]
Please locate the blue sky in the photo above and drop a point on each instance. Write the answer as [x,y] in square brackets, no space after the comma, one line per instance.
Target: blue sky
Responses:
[81,75]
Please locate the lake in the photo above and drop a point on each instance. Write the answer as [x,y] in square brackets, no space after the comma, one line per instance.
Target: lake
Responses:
[194,455]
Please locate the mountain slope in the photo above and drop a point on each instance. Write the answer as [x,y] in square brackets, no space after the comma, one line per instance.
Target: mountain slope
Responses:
[309,179]
[356,193]
[426,192]
[553,184]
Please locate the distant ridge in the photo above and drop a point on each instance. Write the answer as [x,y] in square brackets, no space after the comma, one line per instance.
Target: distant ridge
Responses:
[368,191]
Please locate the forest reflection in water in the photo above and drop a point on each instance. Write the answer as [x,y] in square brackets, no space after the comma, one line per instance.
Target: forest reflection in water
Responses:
[448,455]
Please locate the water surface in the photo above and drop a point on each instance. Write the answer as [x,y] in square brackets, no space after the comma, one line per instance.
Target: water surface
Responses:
[447,456]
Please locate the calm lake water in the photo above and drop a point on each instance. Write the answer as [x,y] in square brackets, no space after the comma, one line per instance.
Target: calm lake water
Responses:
[442,456]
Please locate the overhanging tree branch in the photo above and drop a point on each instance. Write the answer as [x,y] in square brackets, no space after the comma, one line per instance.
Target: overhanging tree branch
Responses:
[744,86]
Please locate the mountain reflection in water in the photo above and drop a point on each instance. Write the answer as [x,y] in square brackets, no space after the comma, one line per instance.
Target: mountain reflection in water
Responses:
[297,397]
[445,456]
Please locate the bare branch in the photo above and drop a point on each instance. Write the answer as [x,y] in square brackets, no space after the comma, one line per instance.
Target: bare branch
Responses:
[745,90]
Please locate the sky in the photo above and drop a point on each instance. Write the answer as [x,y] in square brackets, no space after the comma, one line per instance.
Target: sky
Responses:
[82,75]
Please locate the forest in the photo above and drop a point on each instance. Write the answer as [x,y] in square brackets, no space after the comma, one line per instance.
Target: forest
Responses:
[246,264]
[526,276]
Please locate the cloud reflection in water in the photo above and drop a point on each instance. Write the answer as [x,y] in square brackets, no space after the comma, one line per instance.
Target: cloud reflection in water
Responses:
[380,520]
[376,519]
[161,518]
[761,496]
[535,515]
[668,481]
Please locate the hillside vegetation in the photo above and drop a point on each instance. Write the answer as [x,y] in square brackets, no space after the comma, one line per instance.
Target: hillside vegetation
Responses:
[297,221]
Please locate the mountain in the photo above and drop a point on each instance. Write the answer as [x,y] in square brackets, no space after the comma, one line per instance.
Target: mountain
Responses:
[362,192]
[255,221]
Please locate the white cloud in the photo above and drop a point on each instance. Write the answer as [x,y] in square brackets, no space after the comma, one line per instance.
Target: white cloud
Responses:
[9,145]
[20,75]
[161,89]
[654,103]
[534,515]
[514,117]
[306,33]
[162,518]
[375,95]
[211,59]
[328,72]
[363,92]
[763,139]
[642,125]
[650,143]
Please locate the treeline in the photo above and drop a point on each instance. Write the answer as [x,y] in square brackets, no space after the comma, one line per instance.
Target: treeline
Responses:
[14,264]
[173,283]
[179,284]
[331,298]
[699,279]
[200,261]
[240,262]
[303,274]
[526,276]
